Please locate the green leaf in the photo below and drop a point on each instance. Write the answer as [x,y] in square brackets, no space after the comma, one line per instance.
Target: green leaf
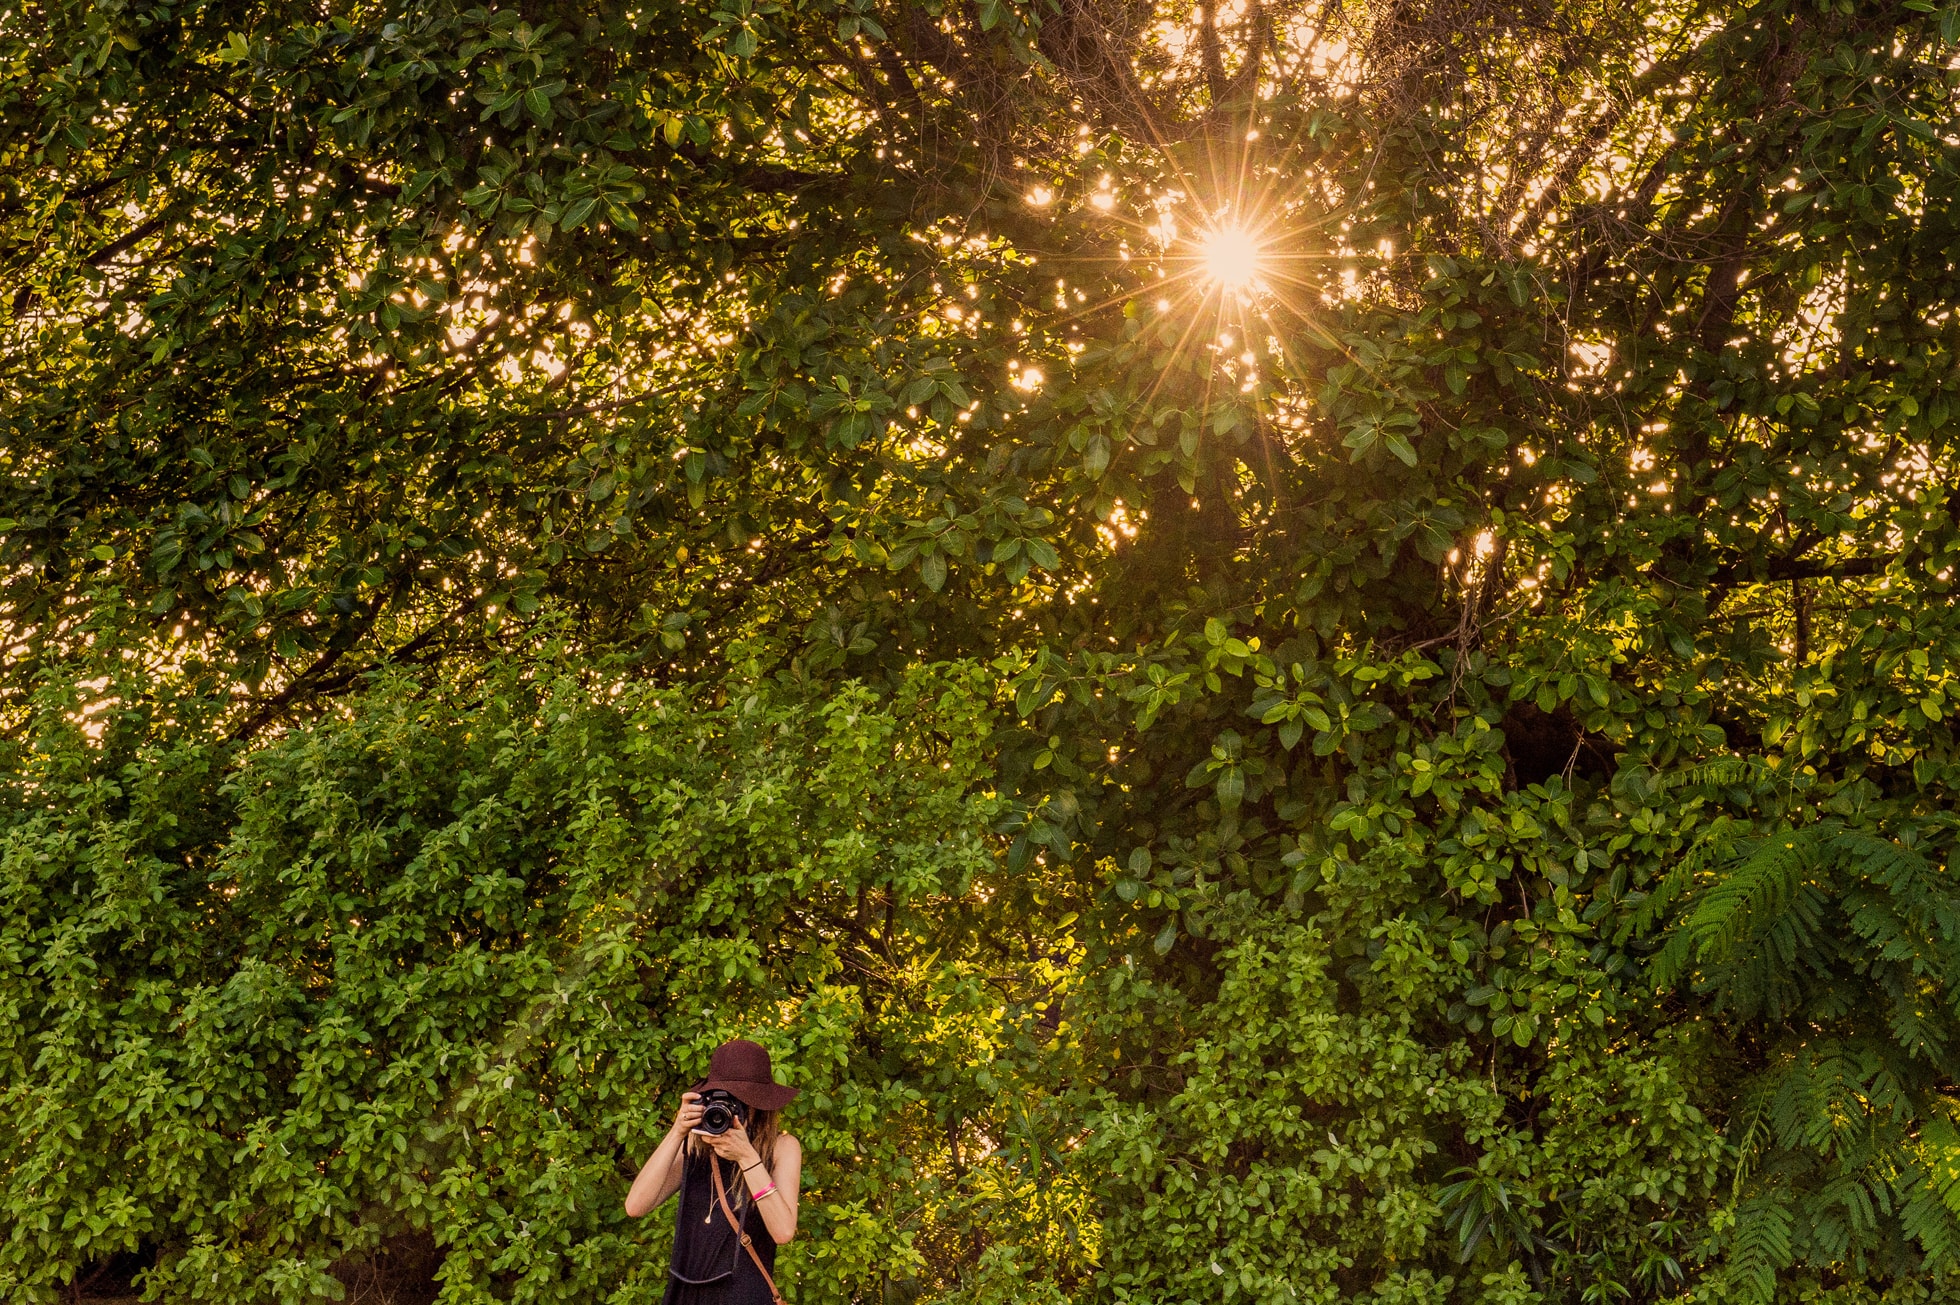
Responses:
[1095,457]
[1917,128]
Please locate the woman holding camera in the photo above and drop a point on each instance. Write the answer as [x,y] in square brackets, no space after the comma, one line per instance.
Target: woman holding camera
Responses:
[737,1176]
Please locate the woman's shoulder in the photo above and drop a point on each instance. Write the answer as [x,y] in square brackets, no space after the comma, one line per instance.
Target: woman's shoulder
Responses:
[786,1144]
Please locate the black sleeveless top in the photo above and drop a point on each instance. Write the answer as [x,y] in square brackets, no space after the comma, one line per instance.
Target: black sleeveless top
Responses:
[709,1266]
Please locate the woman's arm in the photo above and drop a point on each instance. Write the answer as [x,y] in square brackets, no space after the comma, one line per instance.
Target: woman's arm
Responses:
[660,1176]
[776,1204]
[778,1208]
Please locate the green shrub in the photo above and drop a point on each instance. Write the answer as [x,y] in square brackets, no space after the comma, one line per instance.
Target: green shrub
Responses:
[439,968]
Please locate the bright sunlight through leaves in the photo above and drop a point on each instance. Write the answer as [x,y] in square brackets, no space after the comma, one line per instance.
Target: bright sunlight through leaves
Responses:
[1231,257]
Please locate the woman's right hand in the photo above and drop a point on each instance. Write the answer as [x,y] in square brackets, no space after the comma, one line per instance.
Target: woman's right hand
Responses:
[689,1114]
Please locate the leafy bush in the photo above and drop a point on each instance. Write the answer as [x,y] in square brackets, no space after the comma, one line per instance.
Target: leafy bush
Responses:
[1506,650]
[442,966]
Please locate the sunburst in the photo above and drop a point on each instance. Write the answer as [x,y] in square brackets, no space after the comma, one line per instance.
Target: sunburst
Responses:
[1231,257]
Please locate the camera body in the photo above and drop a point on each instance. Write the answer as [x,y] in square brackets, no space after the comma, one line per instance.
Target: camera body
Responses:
[721,1111]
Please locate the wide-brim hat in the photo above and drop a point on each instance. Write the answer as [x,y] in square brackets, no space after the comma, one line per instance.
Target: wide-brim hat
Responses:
[741,1069]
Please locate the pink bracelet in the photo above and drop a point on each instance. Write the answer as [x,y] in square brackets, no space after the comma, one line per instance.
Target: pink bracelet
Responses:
[757,1196]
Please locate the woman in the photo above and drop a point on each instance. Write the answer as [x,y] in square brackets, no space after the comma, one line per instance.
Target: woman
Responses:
[745,1178]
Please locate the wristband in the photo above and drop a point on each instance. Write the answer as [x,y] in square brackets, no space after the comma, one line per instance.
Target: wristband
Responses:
[757,1196]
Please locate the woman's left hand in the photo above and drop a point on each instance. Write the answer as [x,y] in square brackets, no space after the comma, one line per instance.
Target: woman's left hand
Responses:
[734,1145]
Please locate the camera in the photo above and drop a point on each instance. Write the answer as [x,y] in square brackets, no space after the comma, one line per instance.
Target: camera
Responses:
[721,1111]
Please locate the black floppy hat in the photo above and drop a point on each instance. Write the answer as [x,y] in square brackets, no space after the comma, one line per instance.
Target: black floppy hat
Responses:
[741,1069]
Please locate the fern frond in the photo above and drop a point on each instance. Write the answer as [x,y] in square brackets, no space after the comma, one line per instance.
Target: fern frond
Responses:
[1757,919]
[1915,917]
[1714,845]
[1804,1093]
[1907,914]
[1738,908]
[1843,947]
[1939,1159]
[1751,1129]
[1898,868]
[1762,1245]
[1721,772]
[1927,1221]
[1883,1090]
[1830,1232]
[1930,1185]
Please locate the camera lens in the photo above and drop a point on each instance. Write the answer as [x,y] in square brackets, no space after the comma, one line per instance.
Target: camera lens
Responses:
[716,1118]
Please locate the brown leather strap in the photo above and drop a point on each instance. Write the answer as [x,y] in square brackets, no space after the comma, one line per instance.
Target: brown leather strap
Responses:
[721,1195]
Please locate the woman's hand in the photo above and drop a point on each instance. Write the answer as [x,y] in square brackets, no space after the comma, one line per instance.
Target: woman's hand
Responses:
[660,1177]
[688,1115]
[733,1145]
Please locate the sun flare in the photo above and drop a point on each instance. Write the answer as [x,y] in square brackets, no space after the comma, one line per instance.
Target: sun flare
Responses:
[1231,257]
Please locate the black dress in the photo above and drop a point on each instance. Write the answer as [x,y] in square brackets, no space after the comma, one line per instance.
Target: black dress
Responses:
[709,1266]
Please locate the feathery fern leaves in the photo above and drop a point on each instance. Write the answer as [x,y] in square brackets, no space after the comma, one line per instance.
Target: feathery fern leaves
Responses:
[1762,1244]
[1714,846]
[1746,774]
[1798,912]
[1750,930]
[1834,954]
[1931,1214]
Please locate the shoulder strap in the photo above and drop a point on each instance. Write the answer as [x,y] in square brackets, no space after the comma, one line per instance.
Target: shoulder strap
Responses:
[721,1196]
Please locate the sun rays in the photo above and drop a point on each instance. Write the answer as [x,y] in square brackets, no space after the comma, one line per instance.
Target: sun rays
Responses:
[1231,257]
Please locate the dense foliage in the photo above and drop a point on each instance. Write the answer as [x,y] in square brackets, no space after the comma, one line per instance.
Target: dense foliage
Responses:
[1426,776]
[453,961]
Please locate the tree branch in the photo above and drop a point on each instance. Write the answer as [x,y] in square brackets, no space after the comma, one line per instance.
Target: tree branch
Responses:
[109,251]
[1778,570]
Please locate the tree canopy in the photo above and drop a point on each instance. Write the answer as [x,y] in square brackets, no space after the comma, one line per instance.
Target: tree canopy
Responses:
[1286,651]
